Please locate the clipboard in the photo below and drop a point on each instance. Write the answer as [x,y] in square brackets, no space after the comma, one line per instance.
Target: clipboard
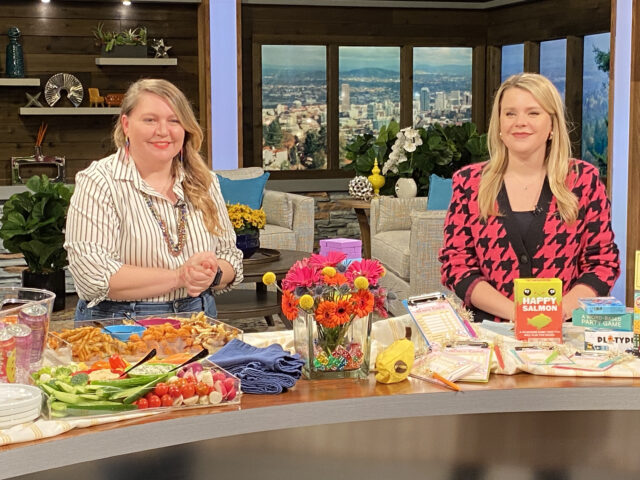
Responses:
[477,352]
[437,318]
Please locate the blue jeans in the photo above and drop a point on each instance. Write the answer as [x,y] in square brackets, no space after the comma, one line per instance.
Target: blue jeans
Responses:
[110,309]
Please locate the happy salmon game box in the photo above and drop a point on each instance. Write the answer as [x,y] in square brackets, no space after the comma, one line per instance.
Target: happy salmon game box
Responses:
[538,309]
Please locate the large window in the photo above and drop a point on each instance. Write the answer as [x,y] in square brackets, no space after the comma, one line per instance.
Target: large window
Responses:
[512,60]
[553,62]
[369,82]
[595,100]
[441,85]
[294,107]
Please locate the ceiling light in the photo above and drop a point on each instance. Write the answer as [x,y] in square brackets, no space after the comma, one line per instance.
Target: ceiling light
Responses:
[126,3]
[45,1]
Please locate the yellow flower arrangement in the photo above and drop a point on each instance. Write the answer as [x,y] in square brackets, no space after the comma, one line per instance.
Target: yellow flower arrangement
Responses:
[245,219]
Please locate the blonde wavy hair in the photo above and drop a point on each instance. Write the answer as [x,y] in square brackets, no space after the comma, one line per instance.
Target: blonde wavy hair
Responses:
[558,153]
[197,179]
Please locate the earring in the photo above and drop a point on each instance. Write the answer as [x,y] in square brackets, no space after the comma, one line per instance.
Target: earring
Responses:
[126,146]
[550,135]
[500,134]
[181,156]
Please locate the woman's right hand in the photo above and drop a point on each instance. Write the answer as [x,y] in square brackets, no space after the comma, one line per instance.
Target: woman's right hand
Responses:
[197,273]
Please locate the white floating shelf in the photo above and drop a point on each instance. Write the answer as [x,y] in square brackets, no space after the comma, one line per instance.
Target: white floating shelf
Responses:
[70,111]
[20,82]
[136,61]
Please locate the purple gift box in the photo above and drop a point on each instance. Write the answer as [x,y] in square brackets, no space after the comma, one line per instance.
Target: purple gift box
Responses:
[351,247]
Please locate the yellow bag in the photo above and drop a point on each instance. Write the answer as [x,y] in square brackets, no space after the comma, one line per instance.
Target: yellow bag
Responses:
[394,362]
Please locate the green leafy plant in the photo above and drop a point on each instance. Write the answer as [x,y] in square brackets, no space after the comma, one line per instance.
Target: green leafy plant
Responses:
[33,224]
[444,149]
[133,36]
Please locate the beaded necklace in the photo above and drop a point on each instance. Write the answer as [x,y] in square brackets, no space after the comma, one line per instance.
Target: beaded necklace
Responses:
[174,248]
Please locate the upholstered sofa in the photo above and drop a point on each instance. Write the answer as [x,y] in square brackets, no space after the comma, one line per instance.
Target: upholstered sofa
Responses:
[290,217]
[406,238]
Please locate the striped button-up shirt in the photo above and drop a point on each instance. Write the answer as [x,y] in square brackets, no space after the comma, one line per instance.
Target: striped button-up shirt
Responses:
[109,224]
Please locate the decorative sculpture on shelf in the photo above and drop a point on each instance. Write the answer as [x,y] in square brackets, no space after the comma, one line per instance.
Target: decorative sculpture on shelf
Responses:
[160,48]
[38,161]
[63,82]
[15,59]
[95,99]
[33,100]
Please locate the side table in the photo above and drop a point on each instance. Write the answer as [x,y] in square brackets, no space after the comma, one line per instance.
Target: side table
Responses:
[361,208]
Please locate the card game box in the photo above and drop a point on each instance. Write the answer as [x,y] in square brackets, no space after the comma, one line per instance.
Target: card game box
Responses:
[612,340]
[602,306]
[538,303]
[622,322]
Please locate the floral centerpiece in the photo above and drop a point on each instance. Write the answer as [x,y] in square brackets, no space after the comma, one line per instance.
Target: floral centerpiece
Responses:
[247,223]
[331,305]
[399,162]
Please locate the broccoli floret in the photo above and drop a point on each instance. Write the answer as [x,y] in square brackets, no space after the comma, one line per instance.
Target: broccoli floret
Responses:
[80,379]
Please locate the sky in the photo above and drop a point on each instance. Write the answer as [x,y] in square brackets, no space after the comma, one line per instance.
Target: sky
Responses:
[314,56]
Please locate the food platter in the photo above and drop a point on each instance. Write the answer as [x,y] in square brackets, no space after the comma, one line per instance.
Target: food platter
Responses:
[88,342]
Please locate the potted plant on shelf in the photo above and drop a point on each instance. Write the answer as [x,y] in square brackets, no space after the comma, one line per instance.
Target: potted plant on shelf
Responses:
[33,224]
[247,223]
[130,43]
[440,150]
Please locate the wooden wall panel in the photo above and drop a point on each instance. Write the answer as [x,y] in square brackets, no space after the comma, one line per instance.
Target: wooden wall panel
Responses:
[58,38]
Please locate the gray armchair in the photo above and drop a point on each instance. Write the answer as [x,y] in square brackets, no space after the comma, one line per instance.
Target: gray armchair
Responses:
[406,238]
[290,217]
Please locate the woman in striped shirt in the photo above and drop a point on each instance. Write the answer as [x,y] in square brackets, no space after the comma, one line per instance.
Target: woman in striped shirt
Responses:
[147,229]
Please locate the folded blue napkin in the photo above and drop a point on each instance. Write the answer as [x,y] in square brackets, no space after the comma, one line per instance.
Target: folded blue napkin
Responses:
[273,357]
[255,379]
[261,370]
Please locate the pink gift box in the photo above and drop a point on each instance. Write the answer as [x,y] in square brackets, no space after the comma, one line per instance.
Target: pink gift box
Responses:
[349,246]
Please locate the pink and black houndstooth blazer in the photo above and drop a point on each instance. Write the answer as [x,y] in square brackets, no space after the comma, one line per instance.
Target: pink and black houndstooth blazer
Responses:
[497,252]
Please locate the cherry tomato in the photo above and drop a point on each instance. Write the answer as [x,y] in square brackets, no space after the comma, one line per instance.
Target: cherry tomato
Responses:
[188,391]
[166,400]
[202,389]
[174,391]
[154,401]
[149,395]
[142,403]
[180,383]
[190,379]
[161,389]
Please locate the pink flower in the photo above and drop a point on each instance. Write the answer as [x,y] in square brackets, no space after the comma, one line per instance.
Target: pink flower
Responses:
[330,260]
[379,304]
[370,269]
[301,275]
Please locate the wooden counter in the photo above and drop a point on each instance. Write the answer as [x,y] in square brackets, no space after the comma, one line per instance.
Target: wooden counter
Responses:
[313,403]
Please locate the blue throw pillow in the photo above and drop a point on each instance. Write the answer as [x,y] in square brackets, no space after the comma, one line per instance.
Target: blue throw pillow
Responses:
[247,191]
[439,193]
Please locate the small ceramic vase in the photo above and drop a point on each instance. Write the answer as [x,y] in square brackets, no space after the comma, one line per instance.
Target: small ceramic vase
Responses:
[376,180]
[406,188]
[15,60]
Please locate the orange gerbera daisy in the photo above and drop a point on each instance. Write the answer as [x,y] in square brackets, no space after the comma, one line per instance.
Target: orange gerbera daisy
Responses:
[362,303]
[343,311]
[337,279]
[326,314]
[289,305]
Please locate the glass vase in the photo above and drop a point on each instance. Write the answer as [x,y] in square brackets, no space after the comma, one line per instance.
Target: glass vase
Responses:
[336,352]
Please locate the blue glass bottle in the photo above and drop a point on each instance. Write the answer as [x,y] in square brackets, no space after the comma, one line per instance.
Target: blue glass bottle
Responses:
[15,60]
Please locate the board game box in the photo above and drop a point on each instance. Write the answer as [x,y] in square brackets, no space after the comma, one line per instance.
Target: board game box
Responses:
[538,304]
[602,306]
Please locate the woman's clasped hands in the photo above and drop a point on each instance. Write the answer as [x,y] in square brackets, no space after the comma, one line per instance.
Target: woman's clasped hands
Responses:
[197,273]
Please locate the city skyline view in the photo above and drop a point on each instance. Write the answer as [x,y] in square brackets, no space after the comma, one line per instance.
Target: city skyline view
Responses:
[294,93]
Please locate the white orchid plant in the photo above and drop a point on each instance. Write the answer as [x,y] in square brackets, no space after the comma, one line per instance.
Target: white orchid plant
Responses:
[407,140]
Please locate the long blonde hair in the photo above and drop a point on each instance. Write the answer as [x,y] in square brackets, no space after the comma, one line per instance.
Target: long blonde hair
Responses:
[197,180]
[558,153]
